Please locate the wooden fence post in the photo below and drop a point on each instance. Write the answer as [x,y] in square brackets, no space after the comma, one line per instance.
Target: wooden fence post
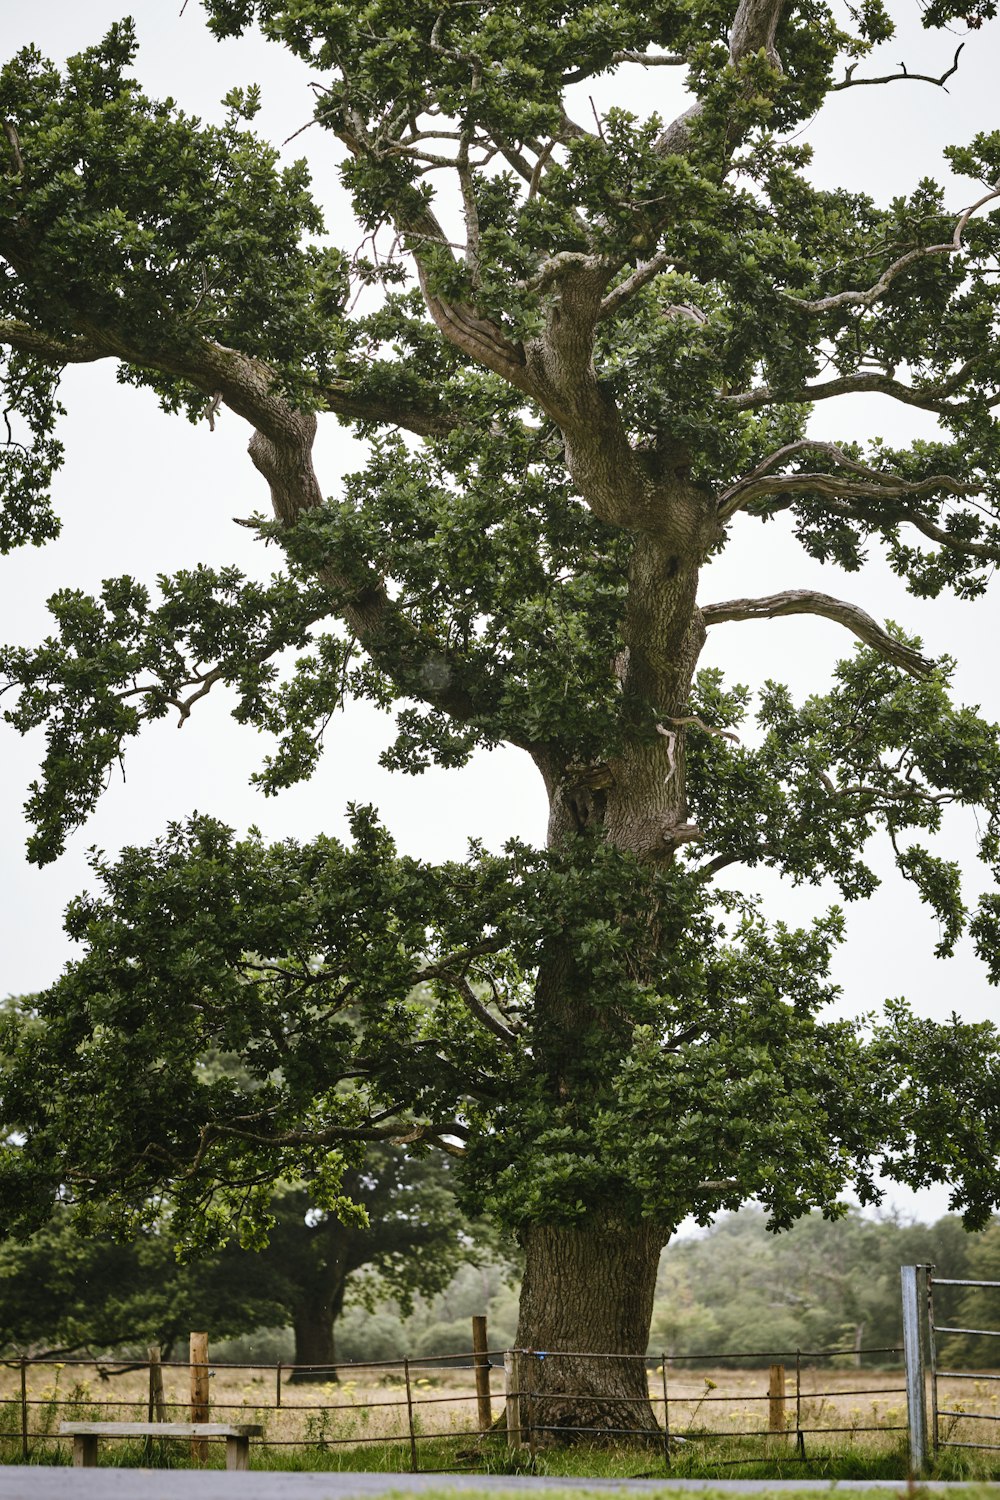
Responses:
[776,1401]
[157,1400]
[199,1392]
[512,1383]
[480,1347]
[156,1406]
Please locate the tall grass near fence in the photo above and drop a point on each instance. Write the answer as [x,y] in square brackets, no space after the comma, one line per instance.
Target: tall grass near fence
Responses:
[808,1412]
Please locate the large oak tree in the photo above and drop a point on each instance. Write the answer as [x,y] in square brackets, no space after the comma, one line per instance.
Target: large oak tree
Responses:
[583,352]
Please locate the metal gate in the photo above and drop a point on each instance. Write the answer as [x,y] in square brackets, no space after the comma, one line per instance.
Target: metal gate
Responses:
[920,1334]
[941,1433]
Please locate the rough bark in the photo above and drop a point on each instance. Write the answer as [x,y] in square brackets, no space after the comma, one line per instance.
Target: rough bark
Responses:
[587,1291]
[318,1271]
[313,1319]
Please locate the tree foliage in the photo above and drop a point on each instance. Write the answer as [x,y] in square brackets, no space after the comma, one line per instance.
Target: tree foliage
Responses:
[978,1309]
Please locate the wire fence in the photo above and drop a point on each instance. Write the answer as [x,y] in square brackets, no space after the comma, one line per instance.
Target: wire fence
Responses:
[453,1411]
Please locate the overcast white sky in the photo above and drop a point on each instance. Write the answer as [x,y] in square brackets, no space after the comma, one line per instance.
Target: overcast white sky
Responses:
[142,494]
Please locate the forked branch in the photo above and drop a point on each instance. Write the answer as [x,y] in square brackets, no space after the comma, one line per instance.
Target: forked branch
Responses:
[856,480]
[930,397]
[873,293]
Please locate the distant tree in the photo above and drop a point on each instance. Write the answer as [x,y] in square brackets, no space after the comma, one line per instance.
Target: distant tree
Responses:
[414,1242]
[62,1291]
[823,1285]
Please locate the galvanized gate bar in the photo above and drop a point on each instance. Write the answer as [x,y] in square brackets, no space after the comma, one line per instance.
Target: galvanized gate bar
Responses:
[932,1349]
[946,1281]
[933,1328]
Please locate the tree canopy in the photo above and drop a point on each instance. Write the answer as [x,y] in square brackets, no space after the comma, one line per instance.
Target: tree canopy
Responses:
[583,354]
[64,1292]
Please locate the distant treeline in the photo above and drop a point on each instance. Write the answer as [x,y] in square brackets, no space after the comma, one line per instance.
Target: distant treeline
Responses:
[735,1287]
[732,1289]
[820,1285]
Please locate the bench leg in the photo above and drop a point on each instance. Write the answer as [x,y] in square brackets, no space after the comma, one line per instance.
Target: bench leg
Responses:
[85,1451]
[237,1453]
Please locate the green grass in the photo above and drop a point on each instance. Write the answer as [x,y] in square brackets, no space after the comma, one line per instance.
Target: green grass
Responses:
[730,1457]
[726,1459]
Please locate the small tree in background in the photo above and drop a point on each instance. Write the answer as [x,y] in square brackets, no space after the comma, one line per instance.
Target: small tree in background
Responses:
[62,1292]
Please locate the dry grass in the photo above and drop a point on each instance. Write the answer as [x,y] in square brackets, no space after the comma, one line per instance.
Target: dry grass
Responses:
[856,1411]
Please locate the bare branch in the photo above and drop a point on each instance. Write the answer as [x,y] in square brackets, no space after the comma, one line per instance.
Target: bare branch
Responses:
[476,1008]
[539,167]
[806,602]
[184,706]
[470,209]
[645,59]
[699,723]
[903,76]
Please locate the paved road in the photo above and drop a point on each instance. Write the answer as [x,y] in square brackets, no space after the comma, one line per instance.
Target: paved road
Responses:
[40,1483]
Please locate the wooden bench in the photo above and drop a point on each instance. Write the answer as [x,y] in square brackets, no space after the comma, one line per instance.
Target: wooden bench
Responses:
[86,1434]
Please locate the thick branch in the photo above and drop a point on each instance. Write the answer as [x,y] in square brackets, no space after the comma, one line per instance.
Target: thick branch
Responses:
[28,340]
[14,146]
[806,602]
[754,28]
[424,421]
[932,397]
[860,481]
[478,337]
[640,277]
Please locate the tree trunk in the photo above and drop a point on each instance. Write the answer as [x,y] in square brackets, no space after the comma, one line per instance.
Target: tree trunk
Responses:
[313,1319]
[587,1291]
[587,1294]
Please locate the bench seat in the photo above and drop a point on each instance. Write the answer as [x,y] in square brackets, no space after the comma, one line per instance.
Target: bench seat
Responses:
[85,1436]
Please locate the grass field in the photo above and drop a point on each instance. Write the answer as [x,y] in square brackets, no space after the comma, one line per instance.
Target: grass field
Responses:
[852,1423]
